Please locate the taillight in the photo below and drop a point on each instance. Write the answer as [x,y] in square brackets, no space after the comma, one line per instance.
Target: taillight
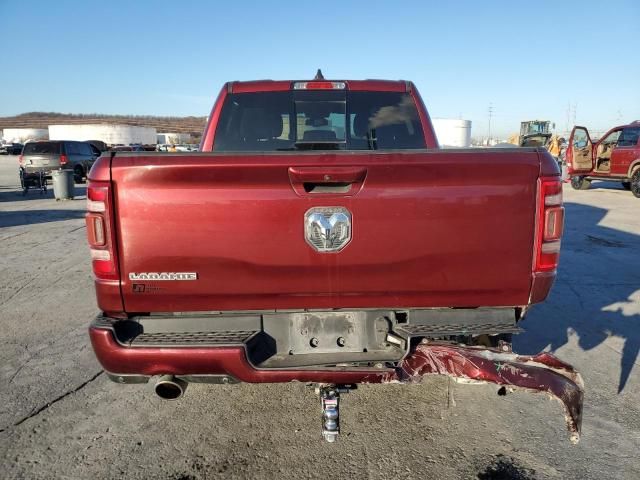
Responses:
[96,230]
[550,224]
[63,159]
[97,197]
[21,160]
[99,231]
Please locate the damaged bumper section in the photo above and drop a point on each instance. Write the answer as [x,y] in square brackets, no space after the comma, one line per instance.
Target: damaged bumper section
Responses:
[543,373]
[369,347]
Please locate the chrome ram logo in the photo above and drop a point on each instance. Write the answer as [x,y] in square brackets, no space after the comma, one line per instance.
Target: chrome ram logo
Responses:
[327,229]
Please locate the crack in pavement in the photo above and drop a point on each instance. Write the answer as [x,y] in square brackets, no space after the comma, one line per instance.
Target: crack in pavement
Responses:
[53,402]
[31,280]
[76,229]
[13,236]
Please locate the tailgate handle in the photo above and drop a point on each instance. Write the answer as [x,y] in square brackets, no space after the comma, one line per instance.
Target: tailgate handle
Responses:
[327,180]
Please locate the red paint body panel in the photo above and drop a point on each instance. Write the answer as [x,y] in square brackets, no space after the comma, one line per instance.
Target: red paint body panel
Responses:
[281,85]
[426,232]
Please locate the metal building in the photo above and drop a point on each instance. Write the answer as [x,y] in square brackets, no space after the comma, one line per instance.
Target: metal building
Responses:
[21,135]
[111,134]
[452,132]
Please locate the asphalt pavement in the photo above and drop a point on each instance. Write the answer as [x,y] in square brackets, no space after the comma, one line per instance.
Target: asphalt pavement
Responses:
[60,417]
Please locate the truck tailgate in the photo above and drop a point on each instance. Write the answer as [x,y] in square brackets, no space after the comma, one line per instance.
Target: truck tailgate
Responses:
[448,228]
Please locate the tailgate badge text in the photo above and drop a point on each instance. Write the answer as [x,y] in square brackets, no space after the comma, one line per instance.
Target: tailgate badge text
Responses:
[163,276]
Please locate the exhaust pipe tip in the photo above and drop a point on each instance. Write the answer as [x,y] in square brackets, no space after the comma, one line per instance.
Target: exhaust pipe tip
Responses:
[170,388]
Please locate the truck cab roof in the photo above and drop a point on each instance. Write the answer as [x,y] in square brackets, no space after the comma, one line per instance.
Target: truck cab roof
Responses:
[280,85]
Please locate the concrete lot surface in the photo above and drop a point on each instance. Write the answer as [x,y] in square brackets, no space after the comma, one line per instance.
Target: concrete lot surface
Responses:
[60,417]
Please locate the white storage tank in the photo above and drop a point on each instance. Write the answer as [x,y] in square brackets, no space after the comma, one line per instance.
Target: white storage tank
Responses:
[452,132]
[111,134]
[21,135]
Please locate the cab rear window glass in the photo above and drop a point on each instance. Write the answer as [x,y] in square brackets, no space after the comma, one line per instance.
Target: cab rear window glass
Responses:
[318,120]
[42,148]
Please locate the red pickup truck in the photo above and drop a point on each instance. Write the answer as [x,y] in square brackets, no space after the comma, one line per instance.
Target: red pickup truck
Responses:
[322,236]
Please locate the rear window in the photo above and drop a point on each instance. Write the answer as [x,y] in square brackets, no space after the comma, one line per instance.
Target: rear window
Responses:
[78,148]
[42,148]
[318,120]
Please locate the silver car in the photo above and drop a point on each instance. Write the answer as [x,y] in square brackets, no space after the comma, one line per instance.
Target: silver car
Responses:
[45,156]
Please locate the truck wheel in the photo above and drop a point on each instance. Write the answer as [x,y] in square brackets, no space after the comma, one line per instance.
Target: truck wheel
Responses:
[580,183]
[635,183]
[626,185]
[78,174]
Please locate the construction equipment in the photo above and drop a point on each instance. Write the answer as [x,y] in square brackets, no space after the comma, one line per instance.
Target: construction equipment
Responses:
[533,133]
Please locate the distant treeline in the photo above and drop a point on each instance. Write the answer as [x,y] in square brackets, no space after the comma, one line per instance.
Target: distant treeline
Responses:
[192,125]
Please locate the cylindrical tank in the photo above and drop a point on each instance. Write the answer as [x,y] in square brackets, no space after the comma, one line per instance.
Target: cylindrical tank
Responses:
[452,132]
[111,134]
[21,135]
[62,184]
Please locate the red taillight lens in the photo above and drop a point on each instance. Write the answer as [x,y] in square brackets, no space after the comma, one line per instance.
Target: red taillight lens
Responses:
[550,224]
[21,160]
[99,231]
[63,159]
[104,266]
[97,197]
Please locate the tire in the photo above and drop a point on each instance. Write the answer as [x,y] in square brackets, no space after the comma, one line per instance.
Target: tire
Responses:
[580,183]
[78,174]
[626,185]
[635,183]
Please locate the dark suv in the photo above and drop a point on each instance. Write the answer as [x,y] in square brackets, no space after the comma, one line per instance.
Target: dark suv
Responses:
[54,154]
[11,149]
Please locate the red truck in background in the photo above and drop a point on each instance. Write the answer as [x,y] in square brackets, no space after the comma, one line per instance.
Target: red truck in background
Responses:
[615,157]
[321,236]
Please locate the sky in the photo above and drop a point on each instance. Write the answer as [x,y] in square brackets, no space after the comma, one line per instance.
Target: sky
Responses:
[526,60]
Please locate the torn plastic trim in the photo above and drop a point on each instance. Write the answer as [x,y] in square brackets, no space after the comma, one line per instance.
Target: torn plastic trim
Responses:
[538,373]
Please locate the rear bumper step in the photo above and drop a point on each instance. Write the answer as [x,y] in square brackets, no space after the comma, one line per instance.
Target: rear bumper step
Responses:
[457,329]
[185,339]
[230,361]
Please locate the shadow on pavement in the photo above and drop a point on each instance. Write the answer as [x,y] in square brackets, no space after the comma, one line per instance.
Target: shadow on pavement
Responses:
[15,194]
[583,300]
[30,217]
[604,185]
[504,468]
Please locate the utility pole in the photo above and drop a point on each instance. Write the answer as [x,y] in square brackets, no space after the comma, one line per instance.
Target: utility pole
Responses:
[490,115]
